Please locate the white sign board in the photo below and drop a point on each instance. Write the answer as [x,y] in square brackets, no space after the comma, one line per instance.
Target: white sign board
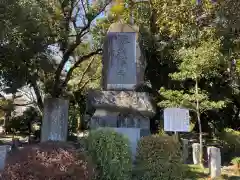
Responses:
[176,119]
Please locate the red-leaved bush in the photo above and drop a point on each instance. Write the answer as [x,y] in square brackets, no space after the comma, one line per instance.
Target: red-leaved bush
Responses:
[48,161]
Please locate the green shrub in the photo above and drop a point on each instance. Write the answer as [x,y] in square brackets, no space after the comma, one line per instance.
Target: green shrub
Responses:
[231,137]
[236,161]
[159,158]
[231,143]
[111,153]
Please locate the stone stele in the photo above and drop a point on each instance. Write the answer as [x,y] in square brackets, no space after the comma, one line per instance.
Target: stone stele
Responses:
[123,60]
[55,120]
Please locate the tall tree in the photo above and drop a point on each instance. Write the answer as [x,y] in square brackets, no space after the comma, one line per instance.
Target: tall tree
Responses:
[196,63]
[65,24]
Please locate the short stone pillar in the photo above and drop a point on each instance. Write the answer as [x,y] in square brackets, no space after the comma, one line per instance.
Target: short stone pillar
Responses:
[3,155]
[185,150]
[196,153]
[55,120]
[214,161]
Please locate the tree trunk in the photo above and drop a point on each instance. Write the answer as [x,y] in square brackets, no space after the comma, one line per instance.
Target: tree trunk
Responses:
[199,123]
[55,120]
[37,93]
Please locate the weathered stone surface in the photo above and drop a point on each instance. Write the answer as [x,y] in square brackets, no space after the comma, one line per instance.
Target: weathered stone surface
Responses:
[105,118]
[123,61]
[3,154]
[139,103]
[196,153]
[122,27]
[214,161]
[55,120]
[185,150]
[130,120]
[145,132]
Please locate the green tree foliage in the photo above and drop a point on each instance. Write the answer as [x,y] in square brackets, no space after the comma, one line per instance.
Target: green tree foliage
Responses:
[185,44]
[25,34]
[196,63]
[36,26]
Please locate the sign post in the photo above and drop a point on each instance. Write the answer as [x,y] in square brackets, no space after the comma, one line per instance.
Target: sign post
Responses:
[176,120]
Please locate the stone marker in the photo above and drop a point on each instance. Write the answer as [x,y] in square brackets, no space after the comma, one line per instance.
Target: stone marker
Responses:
[119,106]
[196,153]
[185,150]
[3,154]
[55,120]
[214,161]
[123,61]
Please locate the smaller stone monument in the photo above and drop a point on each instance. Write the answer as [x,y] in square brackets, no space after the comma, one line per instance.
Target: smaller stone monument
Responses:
[185,150]
[55,120]
[214,161]
[196,153]
[3,154]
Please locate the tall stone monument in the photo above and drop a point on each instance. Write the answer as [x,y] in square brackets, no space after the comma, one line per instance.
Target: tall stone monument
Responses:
[119,106]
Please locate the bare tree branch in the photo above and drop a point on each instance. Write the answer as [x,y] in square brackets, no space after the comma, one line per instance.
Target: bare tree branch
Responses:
[37,93]
[79,61]
[27,104]
[86,69]
[69,51]
[90,79]
[84,9]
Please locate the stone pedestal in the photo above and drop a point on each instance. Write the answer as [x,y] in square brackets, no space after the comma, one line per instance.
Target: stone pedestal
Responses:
[55,120]
[214,161]
[128,112]
[196,153]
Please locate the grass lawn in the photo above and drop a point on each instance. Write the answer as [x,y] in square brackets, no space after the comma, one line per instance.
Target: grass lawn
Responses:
[197,173]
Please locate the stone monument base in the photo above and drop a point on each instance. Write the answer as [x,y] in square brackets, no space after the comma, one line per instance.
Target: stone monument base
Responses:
[127,112]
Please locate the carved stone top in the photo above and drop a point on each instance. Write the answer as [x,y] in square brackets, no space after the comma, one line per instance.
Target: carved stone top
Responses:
[123,27]
[122,101]
[123,62]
